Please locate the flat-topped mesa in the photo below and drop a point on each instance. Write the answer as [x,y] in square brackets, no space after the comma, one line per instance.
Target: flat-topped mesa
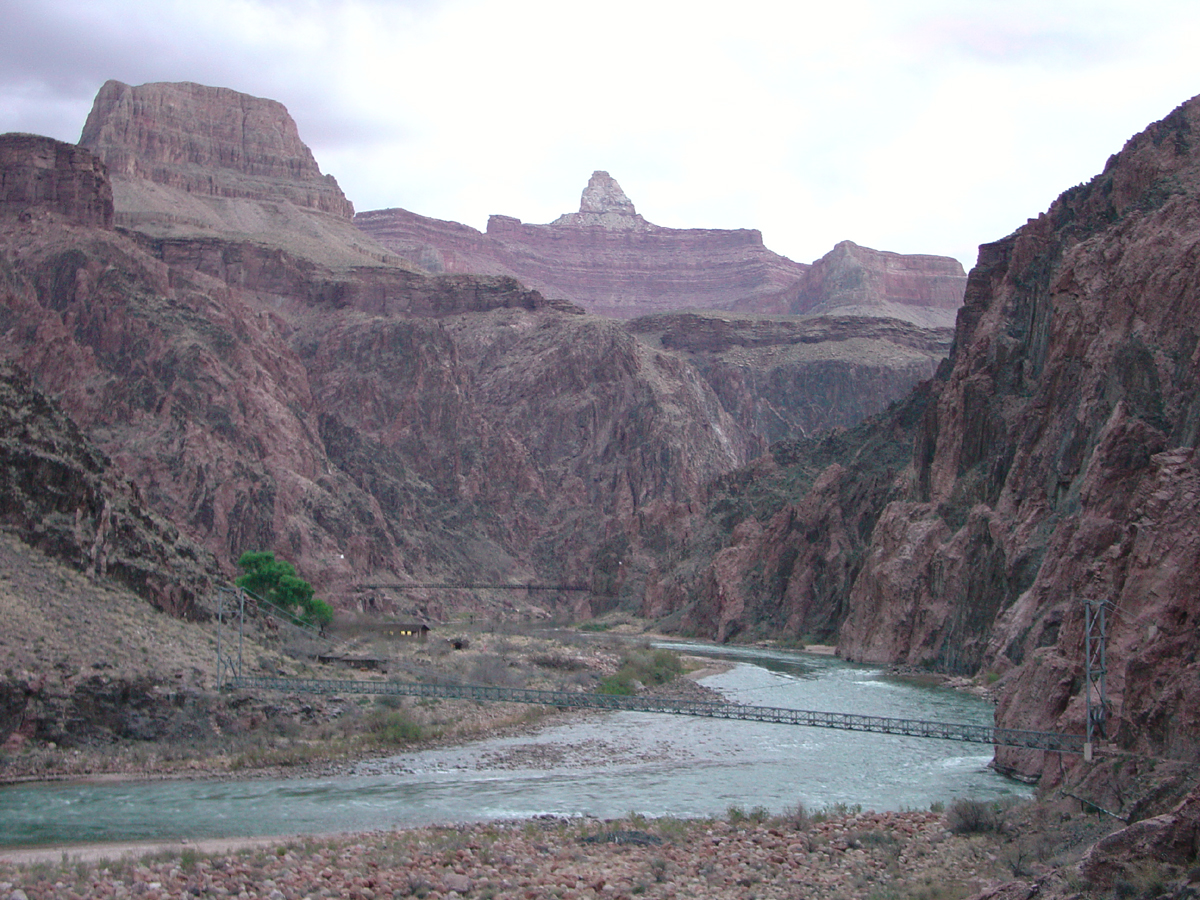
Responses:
[208,141]
[852,280]
[40,173]
[612,262]
[604,205]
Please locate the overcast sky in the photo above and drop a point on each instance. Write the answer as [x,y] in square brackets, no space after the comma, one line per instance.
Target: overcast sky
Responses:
[921,126]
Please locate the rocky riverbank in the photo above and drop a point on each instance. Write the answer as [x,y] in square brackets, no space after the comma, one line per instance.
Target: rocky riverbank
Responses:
[897,854]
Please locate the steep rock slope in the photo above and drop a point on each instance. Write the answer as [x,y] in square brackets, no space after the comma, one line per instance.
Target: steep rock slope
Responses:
[371,424]
[38,173]
[1053,464]
[784,377]
[192,161]
[60,494]
[611,261]
[851,280]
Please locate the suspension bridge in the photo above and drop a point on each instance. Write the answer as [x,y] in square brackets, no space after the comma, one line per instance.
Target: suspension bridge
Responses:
[231,677]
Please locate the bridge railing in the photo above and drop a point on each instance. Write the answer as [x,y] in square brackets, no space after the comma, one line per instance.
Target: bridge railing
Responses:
[967,733]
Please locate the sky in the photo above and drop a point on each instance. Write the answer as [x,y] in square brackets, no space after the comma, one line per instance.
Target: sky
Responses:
[918,126]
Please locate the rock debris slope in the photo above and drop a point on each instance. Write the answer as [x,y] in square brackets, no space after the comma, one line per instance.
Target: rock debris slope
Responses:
[1052,462]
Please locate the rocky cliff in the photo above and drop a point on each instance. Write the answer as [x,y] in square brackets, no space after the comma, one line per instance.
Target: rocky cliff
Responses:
[60,494]
[783,377]
[208,141]
[190,161]
[1051,464]
[39,174]
[372,424]
[611,261]
[851,280]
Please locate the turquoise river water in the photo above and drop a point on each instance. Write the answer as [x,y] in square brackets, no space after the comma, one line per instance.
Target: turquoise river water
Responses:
[606,765]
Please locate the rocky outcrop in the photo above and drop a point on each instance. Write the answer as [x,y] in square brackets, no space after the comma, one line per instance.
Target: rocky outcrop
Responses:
[208,141]
[789,377]
[851,280]
[61,495]
[190,162]
[1052,464]
[603,205]
[42,174]
[612,262]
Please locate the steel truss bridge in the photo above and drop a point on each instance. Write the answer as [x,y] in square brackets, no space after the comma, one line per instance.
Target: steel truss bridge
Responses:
[975,734]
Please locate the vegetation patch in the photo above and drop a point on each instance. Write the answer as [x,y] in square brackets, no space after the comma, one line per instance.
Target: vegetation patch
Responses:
[642,668]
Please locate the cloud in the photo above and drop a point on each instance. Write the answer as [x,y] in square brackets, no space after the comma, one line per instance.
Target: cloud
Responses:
[928,126]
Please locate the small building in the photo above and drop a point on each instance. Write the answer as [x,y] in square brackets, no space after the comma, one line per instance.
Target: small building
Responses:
[408,631]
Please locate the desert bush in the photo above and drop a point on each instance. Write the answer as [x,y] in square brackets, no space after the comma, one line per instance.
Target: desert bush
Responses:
[490,668]
[392,727]
[972,817]
[798,817]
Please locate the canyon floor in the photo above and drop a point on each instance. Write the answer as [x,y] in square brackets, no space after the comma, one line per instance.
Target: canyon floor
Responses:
[938,854]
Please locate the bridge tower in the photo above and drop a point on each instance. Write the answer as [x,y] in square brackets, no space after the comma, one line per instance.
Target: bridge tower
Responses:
[1095,669]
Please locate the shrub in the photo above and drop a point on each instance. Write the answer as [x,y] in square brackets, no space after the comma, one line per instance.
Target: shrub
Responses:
[972,817]
[393,727]
[798,816]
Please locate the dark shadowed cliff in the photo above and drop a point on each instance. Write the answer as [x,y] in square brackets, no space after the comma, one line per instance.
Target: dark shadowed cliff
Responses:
[1050,463]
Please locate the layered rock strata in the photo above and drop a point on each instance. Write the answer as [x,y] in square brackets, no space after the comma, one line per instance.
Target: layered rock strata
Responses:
[189,161]
[611,261]
[851,280]
[40,173]
[209,141]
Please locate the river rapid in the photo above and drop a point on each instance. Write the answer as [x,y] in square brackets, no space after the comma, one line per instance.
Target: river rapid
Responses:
[605,765]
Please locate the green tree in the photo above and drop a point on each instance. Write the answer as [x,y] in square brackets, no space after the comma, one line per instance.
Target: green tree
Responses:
[276,580]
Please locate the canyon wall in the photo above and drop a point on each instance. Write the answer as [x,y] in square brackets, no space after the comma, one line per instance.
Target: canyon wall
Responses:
[40,173]
[608,259]
[192,162]
[208,141]
[60,494]
[1050,464]
[370,423]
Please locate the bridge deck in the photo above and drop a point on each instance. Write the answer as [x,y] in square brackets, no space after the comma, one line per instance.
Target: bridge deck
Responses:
[976,734]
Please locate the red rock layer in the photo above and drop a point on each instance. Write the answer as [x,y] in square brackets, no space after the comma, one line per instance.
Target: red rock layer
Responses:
[851,279]
[209,141]
[48,175]
[611,261]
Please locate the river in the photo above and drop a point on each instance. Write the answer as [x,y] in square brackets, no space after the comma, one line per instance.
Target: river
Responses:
[607,765]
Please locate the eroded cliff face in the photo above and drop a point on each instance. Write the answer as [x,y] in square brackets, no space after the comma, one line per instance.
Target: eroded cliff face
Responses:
[208,141]
[39,174]
[851,280]
[60,494]
[608,259]
[372,424]
[787,377]
[192,162]
[1052,463]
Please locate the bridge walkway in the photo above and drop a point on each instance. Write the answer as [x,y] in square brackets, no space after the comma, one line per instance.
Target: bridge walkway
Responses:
[975,734]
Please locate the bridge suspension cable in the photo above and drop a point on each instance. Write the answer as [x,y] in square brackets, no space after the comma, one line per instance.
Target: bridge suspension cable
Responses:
[977,734]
